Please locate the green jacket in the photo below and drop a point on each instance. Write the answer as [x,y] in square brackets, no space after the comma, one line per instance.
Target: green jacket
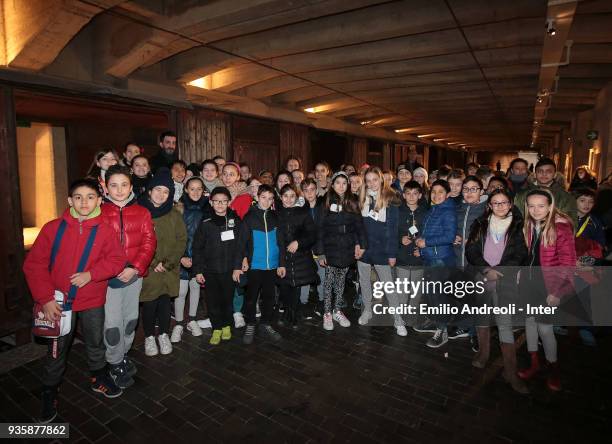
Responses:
[171,240]
[564,201]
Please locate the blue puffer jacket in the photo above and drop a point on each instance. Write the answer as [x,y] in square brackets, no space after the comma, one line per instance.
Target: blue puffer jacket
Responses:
[193,214]
[439,228]
[381,238]
[466,215]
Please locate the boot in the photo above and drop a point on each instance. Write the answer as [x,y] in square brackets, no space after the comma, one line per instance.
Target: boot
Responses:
[510,376]
[534,368]
[484,341]
[553,381]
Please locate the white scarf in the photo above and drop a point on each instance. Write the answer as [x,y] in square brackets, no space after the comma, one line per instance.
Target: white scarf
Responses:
[499,226]
[370,200]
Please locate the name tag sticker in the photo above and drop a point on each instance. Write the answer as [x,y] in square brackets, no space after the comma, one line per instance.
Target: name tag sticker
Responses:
[335,208]
[413,230]
[227,235]
[373,214]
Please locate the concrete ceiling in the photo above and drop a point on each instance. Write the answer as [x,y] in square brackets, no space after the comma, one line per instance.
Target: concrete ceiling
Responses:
[458,71]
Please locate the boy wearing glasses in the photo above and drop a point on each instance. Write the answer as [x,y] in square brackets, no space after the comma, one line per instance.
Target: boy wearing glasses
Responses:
[215,245]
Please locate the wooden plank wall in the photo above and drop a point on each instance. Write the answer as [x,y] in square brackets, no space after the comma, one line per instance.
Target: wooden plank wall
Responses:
[359,152]
[203,134]
[295,141]
[14,296]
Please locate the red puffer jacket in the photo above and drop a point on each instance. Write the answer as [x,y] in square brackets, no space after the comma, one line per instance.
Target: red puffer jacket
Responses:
[106,260]
[134,226]
[559,281]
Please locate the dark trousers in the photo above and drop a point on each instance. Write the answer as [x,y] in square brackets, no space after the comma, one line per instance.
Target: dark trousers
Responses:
[156,310]
[92,329]
[290,296]
[220,299]
[260,280]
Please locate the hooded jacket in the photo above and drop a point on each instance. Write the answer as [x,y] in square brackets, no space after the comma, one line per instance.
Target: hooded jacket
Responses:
[105,261]
[260,240]
[466,215]
[193,214]
[439,231]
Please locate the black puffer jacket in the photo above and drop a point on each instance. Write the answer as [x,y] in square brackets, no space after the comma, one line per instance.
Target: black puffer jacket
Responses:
[211,254]
[514,255]
[337,235]
[295,224]
[408,218]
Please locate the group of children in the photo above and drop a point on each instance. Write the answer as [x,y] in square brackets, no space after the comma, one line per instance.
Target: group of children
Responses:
[256,247]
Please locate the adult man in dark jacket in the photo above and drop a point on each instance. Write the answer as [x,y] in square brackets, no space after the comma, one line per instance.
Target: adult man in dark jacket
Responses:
[167,153]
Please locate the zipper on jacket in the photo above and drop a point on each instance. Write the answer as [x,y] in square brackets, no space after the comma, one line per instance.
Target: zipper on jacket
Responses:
[467,214]
[267,250]
[121,225]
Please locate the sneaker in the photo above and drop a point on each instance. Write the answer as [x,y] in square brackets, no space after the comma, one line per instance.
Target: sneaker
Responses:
[119,374]
[177,333]
[49,404]
[306,312]
[365,317]
[401,330]
[561,331]
[249,333]
[194,328]
[151,346]
[204,323]
[474,343]
[439,338]
[104,384]
[239,320]
[129,365]
[226,333]
[425,327]
[270,332]
[328,323]
[339,317]
[215,338]
[458,332]
[165,346]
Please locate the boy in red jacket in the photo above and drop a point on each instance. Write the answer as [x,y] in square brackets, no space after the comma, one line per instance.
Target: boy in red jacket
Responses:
[106,259]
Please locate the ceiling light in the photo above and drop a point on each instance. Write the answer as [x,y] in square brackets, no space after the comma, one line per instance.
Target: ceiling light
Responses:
[310,110]
[550,28]
[366,122]
[403,130]
[203,82]
[540,99]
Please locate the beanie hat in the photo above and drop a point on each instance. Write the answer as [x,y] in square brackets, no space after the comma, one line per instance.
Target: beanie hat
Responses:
[162,178]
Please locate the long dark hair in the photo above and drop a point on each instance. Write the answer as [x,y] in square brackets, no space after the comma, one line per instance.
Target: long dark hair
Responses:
[481,225]
[349,202]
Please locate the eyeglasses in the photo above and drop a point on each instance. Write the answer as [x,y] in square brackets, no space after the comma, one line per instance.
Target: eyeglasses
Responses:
[221,202]
[470,190]
[505,203]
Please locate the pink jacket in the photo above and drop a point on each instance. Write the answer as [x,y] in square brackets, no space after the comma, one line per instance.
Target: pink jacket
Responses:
[560,281]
